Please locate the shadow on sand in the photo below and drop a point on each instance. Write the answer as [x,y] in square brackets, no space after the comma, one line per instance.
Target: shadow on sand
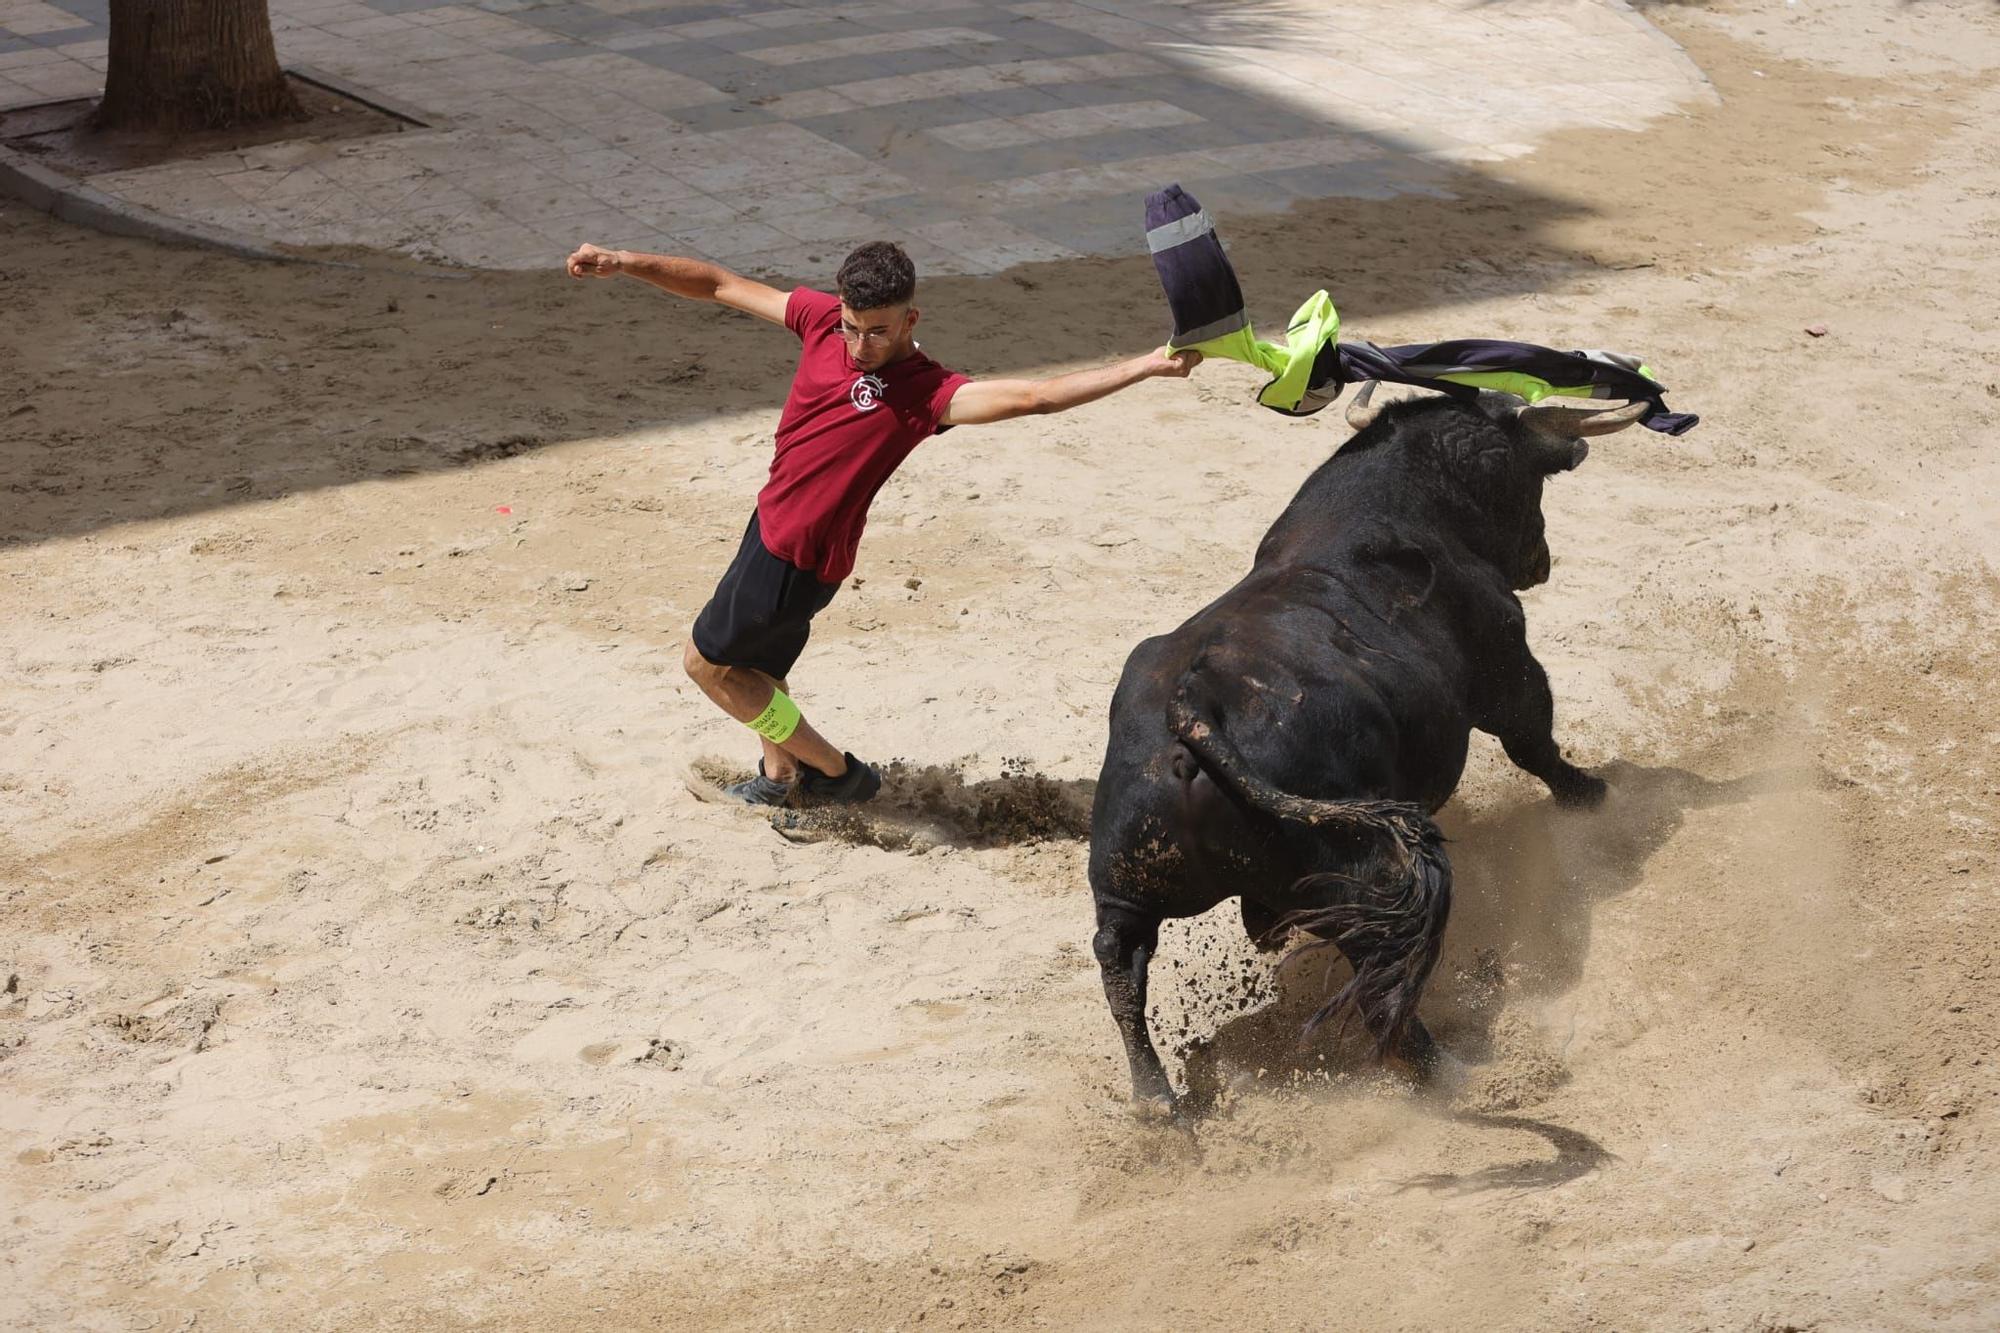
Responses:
[1527,877]
[256,382]
[1576,1154]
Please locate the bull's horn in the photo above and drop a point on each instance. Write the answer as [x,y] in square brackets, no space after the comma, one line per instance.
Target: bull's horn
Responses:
[1575,423]
[1359,414]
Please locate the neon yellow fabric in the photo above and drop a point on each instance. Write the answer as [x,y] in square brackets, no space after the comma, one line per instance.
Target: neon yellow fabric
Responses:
[1243,346]
[1527,387]
[1317,324]
[779,719]
[1313,326]
[1523,386]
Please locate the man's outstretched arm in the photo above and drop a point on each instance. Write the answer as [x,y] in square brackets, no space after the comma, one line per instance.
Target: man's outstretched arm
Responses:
[983,401]
[695,279]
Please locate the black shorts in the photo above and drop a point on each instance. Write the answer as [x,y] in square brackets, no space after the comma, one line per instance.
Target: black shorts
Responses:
[762,610]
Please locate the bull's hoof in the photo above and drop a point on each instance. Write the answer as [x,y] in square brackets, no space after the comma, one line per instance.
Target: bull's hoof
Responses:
[1442,1075]
[1582,792]
[1160,1108]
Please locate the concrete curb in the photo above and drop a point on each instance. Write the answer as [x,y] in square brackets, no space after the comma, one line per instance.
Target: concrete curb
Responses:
[23,178]
[1678,53]
[374,101]
[72,200]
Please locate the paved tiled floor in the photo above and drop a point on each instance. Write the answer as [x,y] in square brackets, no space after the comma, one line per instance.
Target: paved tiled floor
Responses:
[771,135]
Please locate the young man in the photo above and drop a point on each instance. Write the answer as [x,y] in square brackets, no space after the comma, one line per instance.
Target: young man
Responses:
[863,396]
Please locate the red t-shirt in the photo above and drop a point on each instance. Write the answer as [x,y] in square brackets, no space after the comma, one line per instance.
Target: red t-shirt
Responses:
[842,434]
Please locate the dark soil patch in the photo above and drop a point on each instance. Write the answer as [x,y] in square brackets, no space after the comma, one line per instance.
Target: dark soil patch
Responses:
[927,805]
[58,134]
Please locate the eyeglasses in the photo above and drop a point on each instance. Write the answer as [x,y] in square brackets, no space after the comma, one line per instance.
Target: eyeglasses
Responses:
[854,335]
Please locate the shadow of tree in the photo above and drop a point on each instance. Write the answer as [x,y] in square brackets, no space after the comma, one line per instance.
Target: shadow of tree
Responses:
[223,398]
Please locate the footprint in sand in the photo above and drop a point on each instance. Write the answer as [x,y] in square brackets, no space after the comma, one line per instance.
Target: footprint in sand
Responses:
[652,1052]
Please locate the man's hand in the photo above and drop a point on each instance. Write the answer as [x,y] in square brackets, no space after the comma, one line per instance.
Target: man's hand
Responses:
[1176,365]
[590,261]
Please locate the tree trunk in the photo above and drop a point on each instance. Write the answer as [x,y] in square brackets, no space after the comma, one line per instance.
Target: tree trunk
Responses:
[178,65]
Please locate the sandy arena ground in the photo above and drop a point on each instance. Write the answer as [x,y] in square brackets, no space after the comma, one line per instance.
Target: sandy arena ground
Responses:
[368,964]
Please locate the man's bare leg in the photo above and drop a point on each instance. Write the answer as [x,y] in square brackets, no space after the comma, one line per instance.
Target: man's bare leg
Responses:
[778,766]
[743,693]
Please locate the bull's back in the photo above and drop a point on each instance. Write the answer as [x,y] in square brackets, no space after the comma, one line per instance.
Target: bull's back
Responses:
[1322,694]
[1346,680]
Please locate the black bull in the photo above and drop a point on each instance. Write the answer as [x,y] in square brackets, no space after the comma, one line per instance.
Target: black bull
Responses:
[1289,743]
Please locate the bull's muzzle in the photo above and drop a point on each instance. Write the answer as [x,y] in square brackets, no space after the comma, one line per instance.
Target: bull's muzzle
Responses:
[1538,567]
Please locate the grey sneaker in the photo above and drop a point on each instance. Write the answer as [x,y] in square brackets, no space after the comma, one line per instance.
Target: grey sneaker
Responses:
[759,790]
[859,783]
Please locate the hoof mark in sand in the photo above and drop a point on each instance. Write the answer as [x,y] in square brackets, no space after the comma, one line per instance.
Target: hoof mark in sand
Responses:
[186,1024]
[471,1186]
[654,1053]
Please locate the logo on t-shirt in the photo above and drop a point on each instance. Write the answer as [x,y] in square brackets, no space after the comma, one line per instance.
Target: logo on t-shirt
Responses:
[866,392]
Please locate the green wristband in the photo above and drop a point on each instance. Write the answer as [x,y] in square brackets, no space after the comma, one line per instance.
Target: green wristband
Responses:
[779,719]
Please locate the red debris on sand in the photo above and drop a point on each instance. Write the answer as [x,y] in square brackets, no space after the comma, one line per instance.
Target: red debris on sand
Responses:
[502,509]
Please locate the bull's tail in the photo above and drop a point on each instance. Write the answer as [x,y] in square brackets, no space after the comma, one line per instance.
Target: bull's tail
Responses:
[1388,920]
[1391,928]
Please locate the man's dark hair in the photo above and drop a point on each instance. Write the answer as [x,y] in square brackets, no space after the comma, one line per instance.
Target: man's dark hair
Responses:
[876,276]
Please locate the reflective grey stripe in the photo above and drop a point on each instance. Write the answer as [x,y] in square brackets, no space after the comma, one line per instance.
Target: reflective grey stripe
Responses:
[1227,324]
[1180,231]
[1618,359]
[1312,400]
[1433,372]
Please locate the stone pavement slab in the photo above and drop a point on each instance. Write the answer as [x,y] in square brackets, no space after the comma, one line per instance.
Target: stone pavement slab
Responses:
[773,136]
